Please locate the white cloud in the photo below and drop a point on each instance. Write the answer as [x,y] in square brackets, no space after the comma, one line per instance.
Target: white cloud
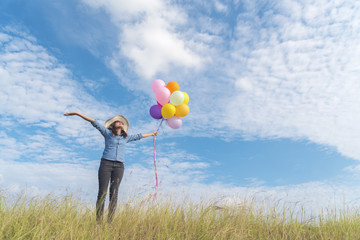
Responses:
[126,10]
[221,7]
[154,48]
[149,37]
[297,79]
[8,149]
[36,90]
[55,178]
[244,84]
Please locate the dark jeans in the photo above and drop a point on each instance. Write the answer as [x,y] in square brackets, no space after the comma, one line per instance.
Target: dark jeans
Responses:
[113,171]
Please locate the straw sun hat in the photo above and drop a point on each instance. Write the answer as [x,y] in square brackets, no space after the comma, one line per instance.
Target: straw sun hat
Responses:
[117,118]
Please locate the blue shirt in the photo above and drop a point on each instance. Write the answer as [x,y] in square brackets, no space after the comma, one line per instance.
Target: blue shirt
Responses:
[114,145]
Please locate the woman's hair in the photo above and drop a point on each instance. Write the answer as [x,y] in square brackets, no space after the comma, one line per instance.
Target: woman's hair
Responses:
[123,133]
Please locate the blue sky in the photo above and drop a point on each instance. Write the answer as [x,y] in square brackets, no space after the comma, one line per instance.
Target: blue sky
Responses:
[273,92]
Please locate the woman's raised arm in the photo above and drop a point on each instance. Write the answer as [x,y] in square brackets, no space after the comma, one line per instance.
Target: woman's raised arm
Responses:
[150,134]
[80,115]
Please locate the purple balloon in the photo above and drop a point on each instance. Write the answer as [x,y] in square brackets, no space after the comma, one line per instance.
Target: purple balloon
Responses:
[174,122]
[155,112]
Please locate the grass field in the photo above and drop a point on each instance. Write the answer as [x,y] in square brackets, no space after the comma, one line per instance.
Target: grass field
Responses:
[52,217]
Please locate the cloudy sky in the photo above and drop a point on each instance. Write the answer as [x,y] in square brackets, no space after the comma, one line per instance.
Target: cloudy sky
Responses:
[273,85]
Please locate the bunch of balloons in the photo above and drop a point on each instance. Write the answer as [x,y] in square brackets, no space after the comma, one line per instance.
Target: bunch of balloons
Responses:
[171,103]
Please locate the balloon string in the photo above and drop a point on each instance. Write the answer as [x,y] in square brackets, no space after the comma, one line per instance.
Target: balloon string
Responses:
[156,177]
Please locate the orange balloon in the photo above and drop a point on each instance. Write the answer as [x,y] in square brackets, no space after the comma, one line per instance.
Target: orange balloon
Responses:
[173,86]
[182,110]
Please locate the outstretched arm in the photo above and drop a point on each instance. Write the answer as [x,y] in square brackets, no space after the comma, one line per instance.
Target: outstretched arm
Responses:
[139,136]
[80,115]
[150,134]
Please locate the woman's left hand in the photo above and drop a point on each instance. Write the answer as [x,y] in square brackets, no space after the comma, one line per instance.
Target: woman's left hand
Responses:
[150,134]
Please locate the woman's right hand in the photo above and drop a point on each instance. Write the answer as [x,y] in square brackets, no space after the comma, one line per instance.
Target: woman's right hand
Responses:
[71,114]
[80,115]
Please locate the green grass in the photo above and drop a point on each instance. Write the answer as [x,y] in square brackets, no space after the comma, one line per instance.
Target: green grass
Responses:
[53,217]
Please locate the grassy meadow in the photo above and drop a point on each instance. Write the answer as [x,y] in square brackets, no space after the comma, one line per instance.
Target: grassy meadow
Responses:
[53,217]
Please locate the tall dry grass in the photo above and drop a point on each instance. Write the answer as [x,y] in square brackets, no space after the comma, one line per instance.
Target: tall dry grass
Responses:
[53,217]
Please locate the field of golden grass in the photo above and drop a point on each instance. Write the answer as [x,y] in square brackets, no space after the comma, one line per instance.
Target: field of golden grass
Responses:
[53,217]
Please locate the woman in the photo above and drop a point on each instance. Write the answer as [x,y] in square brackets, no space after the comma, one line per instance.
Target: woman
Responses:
[112,160]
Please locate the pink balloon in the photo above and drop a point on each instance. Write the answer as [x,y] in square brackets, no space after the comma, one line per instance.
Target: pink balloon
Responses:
[157,86]
[163,96]
[174,122]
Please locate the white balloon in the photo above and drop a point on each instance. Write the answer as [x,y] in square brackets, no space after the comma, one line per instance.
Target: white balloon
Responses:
[177,98]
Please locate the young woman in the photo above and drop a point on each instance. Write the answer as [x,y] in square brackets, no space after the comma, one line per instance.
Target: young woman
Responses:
[112,160]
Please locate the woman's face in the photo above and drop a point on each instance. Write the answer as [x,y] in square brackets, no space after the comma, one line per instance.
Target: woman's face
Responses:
[118,124]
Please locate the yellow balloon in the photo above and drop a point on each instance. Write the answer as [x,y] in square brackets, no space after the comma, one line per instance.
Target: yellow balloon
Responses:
[168,110]
[182,110]
[186,98]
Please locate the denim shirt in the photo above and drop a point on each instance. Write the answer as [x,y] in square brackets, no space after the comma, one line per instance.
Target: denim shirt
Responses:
[114,145]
